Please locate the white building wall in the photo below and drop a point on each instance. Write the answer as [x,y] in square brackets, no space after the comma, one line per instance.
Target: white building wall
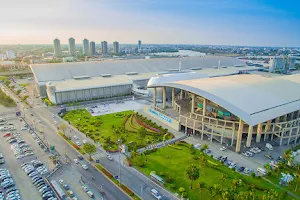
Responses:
[89,94]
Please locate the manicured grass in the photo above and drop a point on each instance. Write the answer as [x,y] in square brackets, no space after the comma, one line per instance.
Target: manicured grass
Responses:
[5,100]
[173,163]
[100,129]
[274,176]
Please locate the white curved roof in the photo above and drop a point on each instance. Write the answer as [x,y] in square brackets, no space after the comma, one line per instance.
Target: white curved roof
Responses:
[252,98]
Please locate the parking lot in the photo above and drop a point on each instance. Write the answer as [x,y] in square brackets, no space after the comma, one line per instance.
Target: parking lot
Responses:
[70,179]
[18,146]
[27,190]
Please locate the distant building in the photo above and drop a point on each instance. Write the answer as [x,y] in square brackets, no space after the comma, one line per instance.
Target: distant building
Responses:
[10,54]
[139,45]
[104,47]
[92,48]
[72,47]
[85,47]
[116,47]
[292,61]
[278,64]
[56,46]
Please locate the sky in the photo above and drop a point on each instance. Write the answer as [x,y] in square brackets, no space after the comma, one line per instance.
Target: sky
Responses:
[215,22]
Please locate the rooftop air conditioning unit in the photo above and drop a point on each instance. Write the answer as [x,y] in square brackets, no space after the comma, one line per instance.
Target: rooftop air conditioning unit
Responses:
[106,75]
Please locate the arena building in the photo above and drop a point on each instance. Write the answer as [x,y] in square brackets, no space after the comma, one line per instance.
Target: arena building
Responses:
[69,82]
[231,109]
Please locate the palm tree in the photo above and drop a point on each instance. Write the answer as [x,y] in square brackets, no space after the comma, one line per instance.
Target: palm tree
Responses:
[287,156]
[202,160]
[268,167]
[201,185]
[204,147]
[223,179]
[215,191]
[193,173]
[270,195]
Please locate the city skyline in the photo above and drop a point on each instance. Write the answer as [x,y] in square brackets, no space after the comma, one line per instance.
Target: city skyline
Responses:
[243,23]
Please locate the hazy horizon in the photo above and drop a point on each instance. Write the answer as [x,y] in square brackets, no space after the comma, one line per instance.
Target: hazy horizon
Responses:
[263,23]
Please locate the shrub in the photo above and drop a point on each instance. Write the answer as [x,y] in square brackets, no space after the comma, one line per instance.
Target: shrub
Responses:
[76,146]
[161,173]
[195,157]
[172,186]
[184,194]
[169,179]
[127,190]
[181,190]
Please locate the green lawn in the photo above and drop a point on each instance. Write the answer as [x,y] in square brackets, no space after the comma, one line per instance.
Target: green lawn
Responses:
[276,174]
[5,100]
[173,163]
[100,129]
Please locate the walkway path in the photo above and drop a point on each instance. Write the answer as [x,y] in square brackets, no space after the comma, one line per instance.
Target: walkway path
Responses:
[276,185]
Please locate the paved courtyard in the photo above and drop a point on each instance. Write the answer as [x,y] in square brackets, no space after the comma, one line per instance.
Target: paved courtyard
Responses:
[116,106]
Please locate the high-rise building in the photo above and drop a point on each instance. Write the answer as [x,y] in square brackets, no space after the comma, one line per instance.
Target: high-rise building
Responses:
[72,46]
[116,47]
[278,64]
[92,48]
[56,46]
[139,45]
[104,47]
[85,47]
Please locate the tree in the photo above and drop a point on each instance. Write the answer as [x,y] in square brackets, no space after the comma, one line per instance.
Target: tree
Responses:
[204,147]
[215,191]
[270,195]
[201,185]
[89,149]
[202,160]
[268,167]
[287,156]
[223,179]
[63,127]
[295,183]
[193,173]
[142,133]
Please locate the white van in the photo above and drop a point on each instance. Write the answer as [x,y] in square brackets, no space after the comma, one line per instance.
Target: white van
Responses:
[155,194]
[262,170]
[269,146]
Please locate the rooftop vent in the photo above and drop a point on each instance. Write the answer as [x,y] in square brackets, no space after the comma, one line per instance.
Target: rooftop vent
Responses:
[80,77]
[238,65]
[196,68]
[131,73]
[173,70]
[105,75]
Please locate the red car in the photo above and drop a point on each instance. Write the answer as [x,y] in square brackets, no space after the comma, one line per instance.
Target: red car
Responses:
[7,135]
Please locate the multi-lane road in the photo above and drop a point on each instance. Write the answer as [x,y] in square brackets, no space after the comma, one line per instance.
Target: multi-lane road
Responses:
[136,181]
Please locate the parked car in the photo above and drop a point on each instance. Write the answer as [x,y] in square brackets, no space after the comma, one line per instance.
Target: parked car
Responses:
[223,148]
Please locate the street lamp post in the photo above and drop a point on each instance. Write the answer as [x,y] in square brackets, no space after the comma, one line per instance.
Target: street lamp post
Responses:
[119,143]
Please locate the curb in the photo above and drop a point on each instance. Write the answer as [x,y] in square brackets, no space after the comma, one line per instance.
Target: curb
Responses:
[141,173]
[99,170]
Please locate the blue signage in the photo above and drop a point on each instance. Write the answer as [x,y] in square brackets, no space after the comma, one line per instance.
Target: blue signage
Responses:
[160,115]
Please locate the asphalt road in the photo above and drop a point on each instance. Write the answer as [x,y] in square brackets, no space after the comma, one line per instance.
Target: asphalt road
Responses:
[112,192]
[137,182]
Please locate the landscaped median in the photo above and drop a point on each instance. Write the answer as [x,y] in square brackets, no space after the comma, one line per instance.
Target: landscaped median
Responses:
[101,169]
[72,143]
[123,187]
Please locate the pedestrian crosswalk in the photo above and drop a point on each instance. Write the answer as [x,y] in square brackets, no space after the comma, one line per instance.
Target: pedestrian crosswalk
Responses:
[98,155]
